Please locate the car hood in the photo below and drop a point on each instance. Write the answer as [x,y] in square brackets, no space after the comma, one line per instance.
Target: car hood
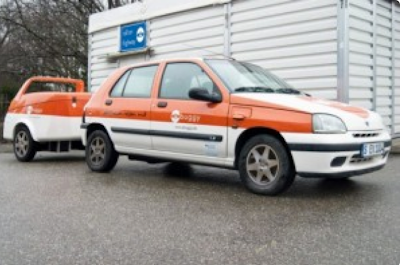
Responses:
[355,118]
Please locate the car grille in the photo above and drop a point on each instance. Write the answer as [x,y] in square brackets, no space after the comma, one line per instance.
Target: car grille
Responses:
[365,135]
[356,159]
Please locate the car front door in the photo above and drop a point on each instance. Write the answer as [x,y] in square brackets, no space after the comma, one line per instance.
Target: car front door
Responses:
[181,125]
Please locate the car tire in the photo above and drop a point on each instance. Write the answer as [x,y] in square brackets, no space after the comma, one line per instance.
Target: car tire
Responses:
[100,153]
[265,166]
[24,146]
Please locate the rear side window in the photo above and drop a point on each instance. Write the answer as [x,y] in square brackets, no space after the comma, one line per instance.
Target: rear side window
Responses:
[136,83]
[35,87]
[119,86]
[140,82]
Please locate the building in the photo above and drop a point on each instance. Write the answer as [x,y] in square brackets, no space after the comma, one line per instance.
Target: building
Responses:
[336,49]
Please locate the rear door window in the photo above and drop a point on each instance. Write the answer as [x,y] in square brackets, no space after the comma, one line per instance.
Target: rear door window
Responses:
[135,83]
[119,86]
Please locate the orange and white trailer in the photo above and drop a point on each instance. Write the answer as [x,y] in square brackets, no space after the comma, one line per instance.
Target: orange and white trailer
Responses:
[45,115]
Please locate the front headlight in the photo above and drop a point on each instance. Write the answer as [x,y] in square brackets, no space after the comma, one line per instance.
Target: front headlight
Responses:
[326,123]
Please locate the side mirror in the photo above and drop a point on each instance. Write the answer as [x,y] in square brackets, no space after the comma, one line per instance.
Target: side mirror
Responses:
[203,95]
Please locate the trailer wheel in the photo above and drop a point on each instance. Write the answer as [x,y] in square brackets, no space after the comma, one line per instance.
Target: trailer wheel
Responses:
[100,153]
[24,146]
[265,166]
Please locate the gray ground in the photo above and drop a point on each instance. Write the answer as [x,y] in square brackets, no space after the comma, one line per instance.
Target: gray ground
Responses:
[55,211]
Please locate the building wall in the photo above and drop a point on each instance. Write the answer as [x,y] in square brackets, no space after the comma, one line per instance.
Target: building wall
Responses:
[374,27]
[296,40]
[192,33]
[335,49]
[396,70]
[101,43]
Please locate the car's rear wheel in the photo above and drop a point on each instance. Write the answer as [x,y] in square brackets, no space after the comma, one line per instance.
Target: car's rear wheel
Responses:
[24,146]
[100,153]
[265,166]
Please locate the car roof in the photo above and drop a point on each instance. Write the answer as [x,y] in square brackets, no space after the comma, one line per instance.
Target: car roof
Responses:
[177,59]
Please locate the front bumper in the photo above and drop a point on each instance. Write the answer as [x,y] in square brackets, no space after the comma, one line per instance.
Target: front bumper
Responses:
[341,174]
[335,156]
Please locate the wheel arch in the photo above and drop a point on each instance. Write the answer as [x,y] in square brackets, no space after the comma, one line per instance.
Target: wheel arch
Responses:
[249,133]
[94,127]
[28,125]
[108,157]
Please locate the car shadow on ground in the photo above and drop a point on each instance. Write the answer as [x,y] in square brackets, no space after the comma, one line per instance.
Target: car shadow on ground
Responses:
[57,158]
[229,181]
[353,189]
[214,179]
[202,174]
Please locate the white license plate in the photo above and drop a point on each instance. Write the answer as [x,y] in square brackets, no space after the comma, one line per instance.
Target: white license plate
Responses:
[372,149]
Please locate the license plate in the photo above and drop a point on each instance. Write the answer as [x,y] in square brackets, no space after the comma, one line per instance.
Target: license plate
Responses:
[372,149]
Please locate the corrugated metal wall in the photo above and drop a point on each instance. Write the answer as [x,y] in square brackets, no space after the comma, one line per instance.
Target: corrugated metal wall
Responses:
[178,35]
[360,56]
[198,32]
[297,40]
[396,69]
[102,43]
[372,51]
[383,74]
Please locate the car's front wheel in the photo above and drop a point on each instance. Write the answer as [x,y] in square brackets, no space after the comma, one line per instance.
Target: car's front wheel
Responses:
[100,153]
[265,166]
[24,146]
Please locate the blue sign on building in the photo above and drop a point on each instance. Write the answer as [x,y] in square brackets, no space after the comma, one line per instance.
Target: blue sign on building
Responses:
[133,37]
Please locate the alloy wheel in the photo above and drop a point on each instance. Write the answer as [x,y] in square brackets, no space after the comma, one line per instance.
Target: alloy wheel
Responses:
[262,164]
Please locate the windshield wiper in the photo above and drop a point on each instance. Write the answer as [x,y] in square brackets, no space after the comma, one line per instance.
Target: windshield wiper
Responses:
[289,91]
[254,89]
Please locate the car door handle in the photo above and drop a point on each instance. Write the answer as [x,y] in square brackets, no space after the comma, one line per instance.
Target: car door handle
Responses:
[238,117]
[108,102]
[162,104]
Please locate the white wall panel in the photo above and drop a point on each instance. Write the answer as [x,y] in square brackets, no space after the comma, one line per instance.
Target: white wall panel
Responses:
[294,39]
[384,60]
[102,43]
[360,53]
[372,58]
[297,40]
[198,32]
[194,33]
[396,70]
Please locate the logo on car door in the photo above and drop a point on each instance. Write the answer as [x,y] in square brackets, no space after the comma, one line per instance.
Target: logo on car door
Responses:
[175,116]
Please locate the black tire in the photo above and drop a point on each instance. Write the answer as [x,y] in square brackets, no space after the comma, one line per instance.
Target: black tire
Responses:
[265,166]
[100,153]
[24,146]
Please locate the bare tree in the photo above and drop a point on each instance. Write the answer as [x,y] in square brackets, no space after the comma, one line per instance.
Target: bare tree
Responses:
[46,37]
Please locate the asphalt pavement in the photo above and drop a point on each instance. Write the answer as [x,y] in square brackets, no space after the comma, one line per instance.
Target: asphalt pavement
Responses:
[55,211]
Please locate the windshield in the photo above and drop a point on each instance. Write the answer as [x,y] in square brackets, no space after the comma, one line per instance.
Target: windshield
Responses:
[246,77]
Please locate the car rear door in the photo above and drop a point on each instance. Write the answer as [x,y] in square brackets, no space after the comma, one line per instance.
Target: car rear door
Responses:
[182,125]
[128,109]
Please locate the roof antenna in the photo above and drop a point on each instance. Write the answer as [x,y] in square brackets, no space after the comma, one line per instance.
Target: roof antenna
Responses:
[213,53]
